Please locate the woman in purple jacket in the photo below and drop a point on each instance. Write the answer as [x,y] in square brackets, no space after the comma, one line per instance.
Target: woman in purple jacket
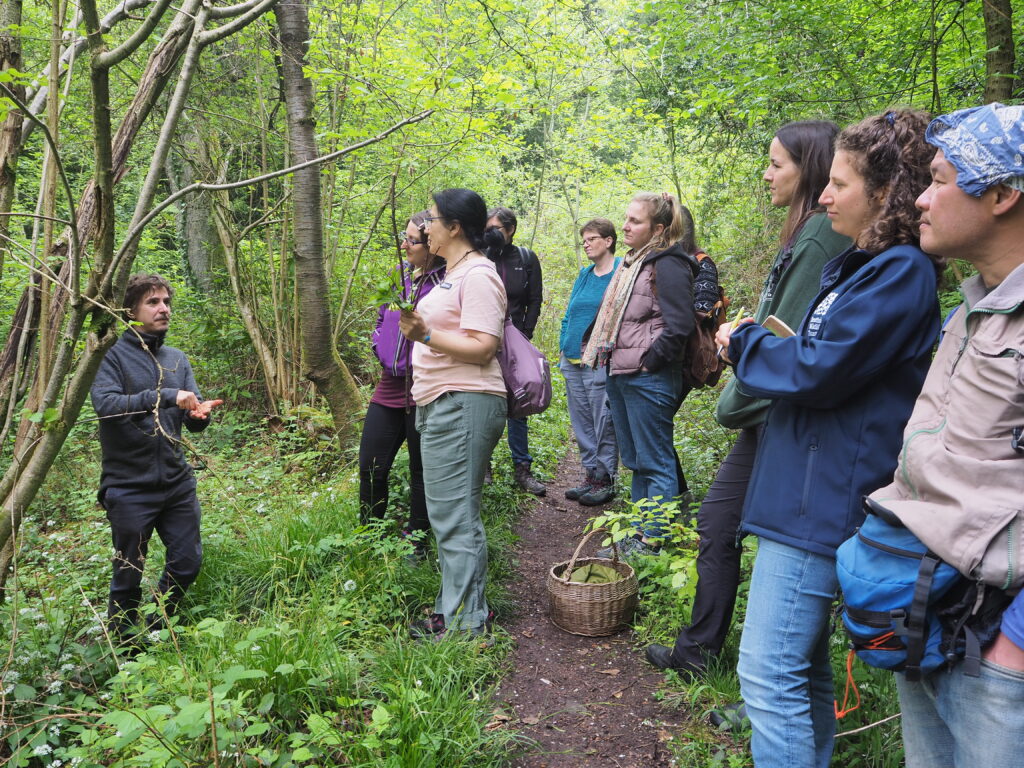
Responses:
[391,417]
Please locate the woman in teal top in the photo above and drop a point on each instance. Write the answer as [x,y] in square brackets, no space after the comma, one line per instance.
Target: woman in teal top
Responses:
[585,386]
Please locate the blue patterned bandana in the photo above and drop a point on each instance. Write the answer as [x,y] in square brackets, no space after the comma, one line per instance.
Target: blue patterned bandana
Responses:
[984,144]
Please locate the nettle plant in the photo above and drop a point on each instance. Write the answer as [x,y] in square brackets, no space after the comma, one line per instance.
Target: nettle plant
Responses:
[676,567]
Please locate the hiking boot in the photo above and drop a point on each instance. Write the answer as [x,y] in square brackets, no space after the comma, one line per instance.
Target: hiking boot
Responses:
[630,547]
[420,548]
[488,475]
[429,628]
[433,628]
[661,657]
[732,717]
[601,492]
[526,480]
[573,494]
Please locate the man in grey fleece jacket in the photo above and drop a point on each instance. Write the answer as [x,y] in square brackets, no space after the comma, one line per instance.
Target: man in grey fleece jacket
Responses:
[143,393]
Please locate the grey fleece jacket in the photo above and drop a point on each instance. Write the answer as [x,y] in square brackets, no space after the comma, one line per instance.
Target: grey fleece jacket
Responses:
[134,383]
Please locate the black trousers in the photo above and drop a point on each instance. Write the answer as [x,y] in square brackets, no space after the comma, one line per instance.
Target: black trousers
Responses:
[384,431]
[134,513]
[718,556]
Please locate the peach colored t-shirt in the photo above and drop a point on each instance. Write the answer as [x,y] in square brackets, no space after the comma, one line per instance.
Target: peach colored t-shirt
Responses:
[471,298]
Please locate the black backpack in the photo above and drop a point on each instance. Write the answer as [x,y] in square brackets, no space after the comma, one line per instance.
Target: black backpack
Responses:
[702,365]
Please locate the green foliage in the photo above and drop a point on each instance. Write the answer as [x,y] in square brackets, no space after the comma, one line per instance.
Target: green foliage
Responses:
[292,648]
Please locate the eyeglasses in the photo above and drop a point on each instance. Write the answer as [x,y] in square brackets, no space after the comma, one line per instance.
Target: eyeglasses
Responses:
[428,219]
[412,241]
[589,240]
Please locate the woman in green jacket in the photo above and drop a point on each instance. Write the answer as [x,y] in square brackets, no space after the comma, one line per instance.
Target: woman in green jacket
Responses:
[800,156]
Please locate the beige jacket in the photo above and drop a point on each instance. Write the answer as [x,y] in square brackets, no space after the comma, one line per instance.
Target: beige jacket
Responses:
[959,485]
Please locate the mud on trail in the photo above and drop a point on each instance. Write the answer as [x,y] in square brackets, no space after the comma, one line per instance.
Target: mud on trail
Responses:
[584,701]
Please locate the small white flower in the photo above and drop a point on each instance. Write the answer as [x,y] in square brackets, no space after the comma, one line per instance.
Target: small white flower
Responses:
[42,749]
[254,648]
[349,585]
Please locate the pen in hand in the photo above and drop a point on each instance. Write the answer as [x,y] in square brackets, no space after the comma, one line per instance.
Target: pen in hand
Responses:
[732,326]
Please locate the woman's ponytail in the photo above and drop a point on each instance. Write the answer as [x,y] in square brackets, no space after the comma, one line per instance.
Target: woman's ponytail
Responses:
[667,211]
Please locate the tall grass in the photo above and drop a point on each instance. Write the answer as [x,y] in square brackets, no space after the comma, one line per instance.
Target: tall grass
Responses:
[292,647]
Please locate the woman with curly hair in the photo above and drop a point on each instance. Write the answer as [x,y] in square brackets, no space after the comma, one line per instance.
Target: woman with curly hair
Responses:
[842,389]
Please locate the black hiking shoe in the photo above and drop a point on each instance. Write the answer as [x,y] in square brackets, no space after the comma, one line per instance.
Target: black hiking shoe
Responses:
[732,717]
[573,494]
[601,492]
[660,656]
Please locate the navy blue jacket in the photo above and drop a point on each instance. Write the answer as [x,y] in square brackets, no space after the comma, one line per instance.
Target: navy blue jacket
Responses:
[132,385]
[843,389]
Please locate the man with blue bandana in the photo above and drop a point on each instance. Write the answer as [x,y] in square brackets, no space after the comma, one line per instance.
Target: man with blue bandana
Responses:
[960,480]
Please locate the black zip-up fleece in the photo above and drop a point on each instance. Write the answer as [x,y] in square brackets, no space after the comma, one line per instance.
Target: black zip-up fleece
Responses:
[132,384]
[519,269]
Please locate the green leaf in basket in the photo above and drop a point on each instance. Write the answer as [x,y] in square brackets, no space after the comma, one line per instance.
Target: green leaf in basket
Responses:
[595,573]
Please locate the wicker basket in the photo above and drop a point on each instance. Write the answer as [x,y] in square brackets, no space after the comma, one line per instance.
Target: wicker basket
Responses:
[592,610]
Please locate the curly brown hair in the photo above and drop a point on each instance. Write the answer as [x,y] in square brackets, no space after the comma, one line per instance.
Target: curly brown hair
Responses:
[891,155]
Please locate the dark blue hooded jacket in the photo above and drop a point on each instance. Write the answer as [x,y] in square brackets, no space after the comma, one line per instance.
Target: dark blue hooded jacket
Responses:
[843,389]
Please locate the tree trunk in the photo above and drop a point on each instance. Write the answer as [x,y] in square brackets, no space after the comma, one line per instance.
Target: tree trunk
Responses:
[195,226]
[999,56]
[323,365]
[74,369]
[158,71]
[10,130]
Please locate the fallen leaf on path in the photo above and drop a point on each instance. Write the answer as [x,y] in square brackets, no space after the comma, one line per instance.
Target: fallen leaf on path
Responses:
[664,735]
[527,632]
[612,672]
[498,719]
[617,695]
[545,681]
[532,720]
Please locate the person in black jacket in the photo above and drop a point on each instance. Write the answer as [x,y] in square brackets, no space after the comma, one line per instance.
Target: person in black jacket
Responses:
[519,269]
[144,391]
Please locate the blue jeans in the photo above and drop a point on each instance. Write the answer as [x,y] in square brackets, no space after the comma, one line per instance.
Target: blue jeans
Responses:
[951,720]
[590,418]
[784,669]
[643,405]
[519,441]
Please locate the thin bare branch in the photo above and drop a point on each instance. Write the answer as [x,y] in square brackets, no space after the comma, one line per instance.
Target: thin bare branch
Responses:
[159,208]
[138,37]
[76,249]
[257,10]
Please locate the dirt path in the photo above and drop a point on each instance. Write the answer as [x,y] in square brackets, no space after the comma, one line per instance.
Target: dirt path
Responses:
[585,701]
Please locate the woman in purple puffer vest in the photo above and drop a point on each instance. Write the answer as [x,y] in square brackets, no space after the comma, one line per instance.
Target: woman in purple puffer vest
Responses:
[391,417]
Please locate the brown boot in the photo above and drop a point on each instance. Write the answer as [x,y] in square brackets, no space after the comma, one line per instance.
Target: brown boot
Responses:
[526,480]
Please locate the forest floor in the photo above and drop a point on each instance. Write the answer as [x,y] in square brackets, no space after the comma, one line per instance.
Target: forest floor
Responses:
[584,701]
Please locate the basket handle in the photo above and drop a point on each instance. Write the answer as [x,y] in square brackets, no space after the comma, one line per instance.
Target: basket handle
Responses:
[572,562]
